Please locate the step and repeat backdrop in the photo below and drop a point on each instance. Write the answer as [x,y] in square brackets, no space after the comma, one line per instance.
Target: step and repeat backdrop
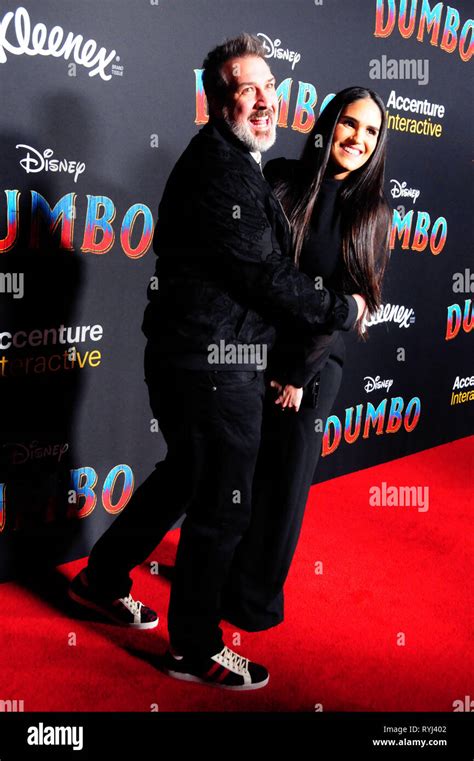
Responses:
[99,99]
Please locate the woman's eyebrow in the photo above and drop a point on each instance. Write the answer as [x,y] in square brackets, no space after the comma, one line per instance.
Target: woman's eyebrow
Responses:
[354,119]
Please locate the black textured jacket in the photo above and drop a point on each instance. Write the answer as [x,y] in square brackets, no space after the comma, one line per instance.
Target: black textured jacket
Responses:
[224,267]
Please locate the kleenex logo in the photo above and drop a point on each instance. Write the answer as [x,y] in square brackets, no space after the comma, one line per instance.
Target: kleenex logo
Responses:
[37,41]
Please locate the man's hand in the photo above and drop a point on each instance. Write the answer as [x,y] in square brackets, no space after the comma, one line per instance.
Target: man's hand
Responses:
[361,305]
[289,396]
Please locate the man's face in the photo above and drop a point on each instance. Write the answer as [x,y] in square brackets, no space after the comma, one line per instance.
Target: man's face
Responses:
[251,106]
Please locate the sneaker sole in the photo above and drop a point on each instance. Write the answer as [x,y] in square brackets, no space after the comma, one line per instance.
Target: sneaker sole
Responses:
[109,616]
[236,687]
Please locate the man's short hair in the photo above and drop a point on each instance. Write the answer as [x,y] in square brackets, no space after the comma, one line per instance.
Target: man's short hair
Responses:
[215,85]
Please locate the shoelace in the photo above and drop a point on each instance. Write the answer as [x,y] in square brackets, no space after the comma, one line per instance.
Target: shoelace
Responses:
[233,659]
[134,606]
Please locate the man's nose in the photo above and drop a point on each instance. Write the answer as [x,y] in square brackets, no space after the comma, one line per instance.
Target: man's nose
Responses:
[262,100]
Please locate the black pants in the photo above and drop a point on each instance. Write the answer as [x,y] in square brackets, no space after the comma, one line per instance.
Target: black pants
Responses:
[289,453]
[211,422]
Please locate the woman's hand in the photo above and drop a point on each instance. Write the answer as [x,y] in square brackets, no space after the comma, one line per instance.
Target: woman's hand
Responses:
[361,305]
[289,396]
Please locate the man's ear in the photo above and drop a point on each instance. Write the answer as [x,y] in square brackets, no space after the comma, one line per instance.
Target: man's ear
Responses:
[215,108]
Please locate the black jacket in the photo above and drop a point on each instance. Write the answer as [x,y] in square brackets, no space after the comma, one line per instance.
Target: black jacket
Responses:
[224,267]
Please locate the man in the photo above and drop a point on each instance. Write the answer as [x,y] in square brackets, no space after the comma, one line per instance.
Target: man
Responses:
[225,275]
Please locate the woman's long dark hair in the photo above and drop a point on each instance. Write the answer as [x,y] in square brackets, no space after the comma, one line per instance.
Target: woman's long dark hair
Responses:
[365,214]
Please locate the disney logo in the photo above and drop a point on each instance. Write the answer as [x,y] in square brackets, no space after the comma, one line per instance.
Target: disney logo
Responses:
[374,384]
[273,51]
[400,190]
[22,453]
[35,161]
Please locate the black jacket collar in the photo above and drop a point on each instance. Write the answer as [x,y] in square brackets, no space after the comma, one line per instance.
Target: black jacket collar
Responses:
[218,129]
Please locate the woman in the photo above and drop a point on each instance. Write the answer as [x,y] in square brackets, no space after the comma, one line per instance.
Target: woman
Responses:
[333,197]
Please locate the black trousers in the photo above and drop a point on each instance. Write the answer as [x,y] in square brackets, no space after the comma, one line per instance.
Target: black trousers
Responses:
[211,422]
[289,452]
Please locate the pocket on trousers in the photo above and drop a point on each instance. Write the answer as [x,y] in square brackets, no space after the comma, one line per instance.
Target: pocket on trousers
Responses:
[311,393]
[234,378]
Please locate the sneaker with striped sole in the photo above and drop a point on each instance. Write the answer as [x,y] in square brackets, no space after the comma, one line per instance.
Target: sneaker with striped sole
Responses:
[125,611]
[226,669]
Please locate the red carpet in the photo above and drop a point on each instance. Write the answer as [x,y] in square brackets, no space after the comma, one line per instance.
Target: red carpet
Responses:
[386,571]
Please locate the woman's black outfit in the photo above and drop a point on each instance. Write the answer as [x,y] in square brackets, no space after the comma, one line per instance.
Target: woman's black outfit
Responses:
[291,441]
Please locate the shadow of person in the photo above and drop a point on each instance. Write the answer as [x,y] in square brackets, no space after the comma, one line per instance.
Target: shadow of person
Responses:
[42,389]
[39,388]
[42,386]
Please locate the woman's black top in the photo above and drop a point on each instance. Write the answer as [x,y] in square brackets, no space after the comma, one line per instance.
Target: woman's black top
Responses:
[297,357]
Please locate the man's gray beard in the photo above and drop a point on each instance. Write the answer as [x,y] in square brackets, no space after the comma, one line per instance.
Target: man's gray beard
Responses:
[246,136]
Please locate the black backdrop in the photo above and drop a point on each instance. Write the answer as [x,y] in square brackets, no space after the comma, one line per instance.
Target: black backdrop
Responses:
[76,429]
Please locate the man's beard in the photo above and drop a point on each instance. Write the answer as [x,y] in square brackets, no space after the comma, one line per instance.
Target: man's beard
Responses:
[244,133]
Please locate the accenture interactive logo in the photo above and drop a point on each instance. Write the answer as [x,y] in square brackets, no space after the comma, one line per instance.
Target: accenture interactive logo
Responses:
[17,37]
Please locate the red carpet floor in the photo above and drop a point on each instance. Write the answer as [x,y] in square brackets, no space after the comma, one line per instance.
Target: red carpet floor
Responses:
[388,573]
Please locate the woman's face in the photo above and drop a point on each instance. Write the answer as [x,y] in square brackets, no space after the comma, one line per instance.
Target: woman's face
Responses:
[355,136]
